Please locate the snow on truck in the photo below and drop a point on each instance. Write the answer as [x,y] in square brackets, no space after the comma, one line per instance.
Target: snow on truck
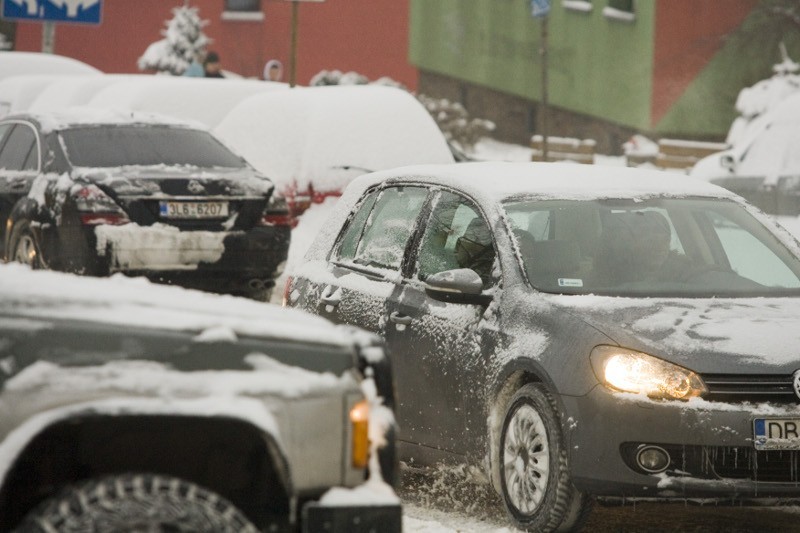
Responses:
[131,406]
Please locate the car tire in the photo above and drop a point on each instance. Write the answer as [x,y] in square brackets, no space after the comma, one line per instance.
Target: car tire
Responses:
[137,502]
[534,475]
[23,247]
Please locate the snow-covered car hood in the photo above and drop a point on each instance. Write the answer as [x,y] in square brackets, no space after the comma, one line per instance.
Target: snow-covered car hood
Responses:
[176,180]
[737,336]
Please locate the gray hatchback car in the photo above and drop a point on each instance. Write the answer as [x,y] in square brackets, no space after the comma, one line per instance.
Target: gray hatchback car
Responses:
[576,331]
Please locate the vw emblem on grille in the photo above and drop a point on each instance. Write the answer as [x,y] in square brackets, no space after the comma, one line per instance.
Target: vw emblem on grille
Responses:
[195,187]
[796,383]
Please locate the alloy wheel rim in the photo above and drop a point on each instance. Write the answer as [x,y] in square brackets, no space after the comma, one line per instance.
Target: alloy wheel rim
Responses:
[26,251]
[526,460]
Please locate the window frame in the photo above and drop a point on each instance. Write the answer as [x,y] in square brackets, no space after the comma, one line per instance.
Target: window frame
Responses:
[253,14]
[376,271]
[15,123]
[413,257]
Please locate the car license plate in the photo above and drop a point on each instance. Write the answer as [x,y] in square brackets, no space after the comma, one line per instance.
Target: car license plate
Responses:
[193,209]
[776,433]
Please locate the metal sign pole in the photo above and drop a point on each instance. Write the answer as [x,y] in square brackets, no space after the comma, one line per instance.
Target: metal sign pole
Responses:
[541,9]
[293,52]
[49,37]
[543,52]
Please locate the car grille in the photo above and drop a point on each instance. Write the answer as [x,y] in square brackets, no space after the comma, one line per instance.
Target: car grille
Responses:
[737,388]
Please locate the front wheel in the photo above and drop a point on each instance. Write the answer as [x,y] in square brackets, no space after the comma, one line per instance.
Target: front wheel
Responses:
[534,479]
[137,503]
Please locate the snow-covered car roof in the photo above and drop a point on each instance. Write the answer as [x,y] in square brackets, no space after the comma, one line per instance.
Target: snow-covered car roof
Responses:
[69,91]
[204,100]
[501,180]
[329,135]
[17,93]
[89,116]
[33,297]
[17,63]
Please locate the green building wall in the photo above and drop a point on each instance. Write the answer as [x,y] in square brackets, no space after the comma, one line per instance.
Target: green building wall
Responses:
[597,66]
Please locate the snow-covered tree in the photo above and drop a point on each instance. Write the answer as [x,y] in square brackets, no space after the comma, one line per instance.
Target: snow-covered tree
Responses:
[183,41]
[451,117]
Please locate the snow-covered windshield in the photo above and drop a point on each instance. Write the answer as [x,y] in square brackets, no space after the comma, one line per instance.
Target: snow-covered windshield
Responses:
[658,247]
[117,146]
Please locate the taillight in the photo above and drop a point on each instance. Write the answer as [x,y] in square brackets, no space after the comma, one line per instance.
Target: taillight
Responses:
[95,207]
[97,219]
[278,219]
[359,423]
[287,291]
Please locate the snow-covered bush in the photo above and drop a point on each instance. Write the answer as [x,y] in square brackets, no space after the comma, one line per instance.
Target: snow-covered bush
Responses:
[5,43]
[756,100]
[455,122]
[183,42]
[453,119]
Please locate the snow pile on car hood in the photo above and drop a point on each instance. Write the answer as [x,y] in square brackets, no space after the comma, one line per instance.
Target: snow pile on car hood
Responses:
[136,302]
[741,335]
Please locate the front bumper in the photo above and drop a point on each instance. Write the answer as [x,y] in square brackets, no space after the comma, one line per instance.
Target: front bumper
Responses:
[352,518]
[710,445]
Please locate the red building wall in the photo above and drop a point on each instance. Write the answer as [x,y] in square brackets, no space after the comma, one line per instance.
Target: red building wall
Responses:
[687,35]
[367,36]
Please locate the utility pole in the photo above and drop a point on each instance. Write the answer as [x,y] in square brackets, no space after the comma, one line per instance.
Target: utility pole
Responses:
[293,52]
[295,31]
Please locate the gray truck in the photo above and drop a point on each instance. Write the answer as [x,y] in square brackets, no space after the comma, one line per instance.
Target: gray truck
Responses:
[130,406]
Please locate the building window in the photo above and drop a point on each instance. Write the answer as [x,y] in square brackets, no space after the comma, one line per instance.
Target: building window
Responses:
[578,5]
[242,5]
[620,10]
[246,10]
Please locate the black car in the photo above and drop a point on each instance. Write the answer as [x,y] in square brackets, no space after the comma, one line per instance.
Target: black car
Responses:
[99,192]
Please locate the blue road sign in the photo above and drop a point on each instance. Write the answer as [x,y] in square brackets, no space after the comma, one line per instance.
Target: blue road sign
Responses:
[540,8]
[79,11]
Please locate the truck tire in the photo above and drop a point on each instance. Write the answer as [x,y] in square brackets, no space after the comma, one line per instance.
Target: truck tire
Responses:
[136,503]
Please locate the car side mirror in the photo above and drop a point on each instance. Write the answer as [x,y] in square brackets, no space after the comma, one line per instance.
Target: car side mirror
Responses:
[727,162]
[461,285]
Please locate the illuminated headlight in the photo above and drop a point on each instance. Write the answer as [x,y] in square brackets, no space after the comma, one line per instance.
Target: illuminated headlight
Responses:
[630,371]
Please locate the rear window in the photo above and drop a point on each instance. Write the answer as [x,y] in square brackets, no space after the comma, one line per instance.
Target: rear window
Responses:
[117,146]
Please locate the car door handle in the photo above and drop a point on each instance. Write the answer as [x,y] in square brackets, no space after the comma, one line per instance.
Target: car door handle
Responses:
[399,318]
[331,296]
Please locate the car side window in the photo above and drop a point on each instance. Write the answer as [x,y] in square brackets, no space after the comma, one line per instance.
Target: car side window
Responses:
[355,228]
[4,129]
[21,141]
[457,236]
[389,227]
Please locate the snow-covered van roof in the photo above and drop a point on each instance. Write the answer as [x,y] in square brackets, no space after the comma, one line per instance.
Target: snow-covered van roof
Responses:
[136,302]
[201,99]
[326,136]
[500,180]
[17,63]
[86,116]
